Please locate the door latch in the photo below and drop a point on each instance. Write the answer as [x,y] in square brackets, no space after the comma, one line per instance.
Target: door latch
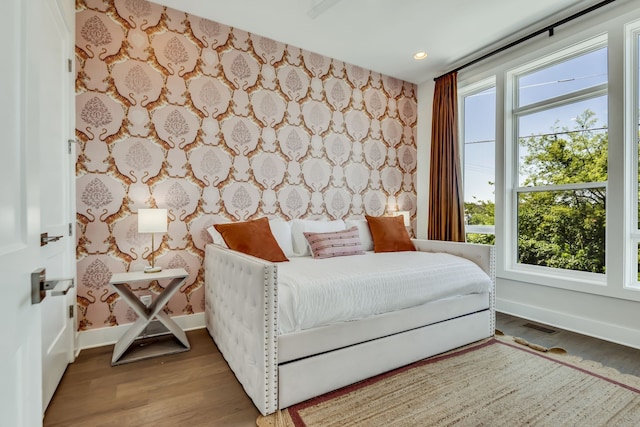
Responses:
[40,285]
[45,238]
[38,292]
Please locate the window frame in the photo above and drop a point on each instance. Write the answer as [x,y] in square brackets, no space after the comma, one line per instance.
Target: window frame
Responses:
[512,268]
[615,24]
[465,91]
[632,139]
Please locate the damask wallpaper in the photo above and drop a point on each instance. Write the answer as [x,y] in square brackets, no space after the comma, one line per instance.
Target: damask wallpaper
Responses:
[211,122]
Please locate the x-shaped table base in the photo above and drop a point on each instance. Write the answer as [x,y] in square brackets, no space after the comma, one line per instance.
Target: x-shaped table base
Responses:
[146,315]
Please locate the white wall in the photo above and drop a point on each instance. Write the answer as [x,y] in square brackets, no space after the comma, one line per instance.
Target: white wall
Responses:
[598,316]
[425,107]
[610,312]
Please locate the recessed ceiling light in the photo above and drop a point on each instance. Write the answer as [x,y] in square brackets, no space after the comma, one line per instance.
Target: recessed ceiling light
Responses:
[419,55]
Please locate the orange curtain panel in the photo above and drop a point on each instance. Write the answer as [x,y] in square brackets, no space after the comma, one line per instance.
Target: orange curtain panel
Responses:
[446,204]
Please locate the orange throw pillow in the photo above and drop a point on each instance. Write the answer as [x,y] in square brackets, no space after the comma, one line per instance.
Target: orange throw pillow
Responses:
[252,238]
[389,234]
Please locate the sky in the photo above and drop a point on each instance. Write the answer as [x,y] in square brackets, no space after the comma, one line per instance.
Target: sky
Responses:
[479,128]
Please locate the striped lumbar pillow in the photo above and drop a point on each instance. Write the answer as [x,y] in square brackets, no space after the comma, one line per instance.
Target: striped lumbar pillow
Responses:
[335,243]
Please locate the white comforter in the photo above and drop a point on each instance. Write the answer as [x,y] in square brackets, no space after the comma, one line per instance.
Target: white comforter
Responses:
[317,292]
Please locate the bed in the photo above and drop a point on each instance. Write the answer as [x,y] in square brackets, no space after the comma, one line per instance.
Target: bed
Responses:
[289,336]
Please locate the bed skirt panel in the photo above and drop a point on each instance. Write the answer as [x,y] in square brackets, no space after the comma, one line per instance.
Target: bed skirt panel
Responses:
[300,344]
[310,377]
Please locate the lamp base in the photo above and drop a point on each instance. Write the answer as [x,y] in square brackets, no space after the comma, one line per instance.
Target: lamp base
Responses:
[152,269]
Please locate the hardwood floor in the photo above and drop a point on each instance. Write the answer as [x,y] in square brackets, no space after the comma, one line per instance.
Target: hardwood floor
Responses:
[624,359]
[194,388]
[197,388]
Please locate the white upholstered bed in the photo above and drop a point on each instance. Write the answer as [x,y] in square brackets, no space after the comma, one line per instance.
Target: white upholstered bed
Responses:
[280,360]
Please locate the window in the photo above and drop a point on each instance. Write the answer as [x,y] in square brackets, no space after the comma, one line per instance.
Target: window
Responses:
[560,120]
[567,171]
[636,144]
[478,131]
[634,140]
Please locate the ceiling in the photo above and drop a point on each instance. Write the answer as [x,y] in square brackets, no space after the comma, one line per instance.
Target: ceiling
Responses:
[383,35]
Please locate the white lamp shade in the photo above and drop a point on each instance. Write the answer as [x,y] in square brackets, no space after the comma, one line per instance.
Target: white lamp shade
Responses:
[152,220]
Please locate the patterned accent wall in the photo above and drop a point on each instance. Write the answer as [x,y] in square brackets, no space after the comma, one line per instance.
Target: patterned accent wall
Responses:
[211,122]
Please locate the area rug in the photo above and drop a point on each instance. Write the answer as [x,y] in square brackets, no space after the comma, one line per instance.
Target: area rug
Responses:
[497,382]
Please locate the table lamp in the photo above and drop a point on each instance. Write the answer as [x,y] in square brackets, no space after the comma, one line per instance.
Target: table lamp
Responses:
[152,221]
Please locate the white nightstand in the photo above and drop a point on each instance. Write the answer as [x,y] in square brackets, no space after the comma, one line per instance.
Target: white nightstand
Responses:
[124,350]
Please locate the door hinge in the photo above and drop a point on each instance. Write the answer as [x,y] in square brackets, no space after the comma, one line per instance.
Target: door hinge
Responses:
[69,65]
[69,142]
[71,312]
[70,229]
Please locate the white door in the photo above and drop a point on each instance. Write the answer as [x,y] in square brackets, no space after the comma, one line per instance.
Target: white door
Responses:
[23,28]
[20,360]
[56,190]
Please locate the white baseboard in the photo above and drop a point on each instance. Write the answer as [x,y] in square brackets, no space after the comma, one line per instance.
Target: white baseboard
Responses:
[107,336]
[582,325]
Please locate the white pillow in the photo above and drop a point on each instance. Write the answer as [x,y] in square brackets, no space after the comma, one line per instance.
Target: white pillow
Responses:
[299,226]
[215,236]
[363,230]
[281,230]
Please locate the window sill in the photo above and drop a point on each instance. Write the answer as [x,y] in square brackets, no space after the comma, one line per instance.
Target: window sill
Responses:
[576,281]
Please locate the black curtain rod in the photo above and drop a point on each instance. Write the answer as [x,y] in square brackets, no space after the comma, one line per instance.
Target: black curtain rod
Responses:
[548,28]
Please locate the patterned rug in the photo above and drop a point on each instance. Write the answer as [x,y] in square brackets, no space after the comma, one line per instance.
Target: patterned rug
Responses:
[501,381]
